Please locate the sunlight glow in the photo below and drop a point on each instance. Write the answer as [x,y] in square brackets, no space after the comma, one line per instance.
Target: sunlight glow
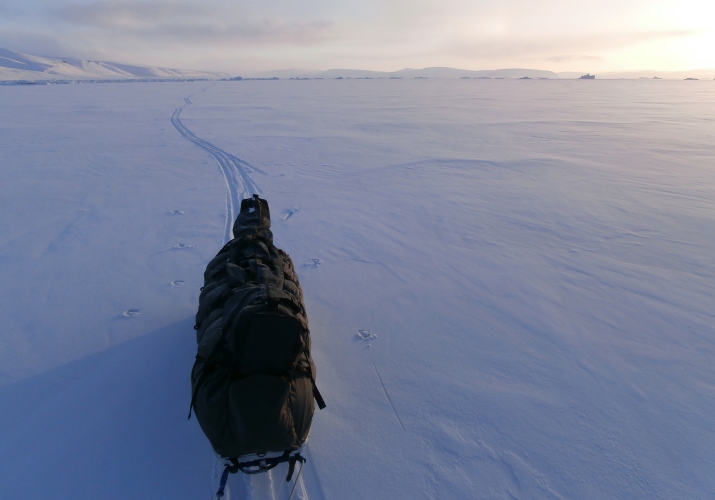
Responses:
[694,50]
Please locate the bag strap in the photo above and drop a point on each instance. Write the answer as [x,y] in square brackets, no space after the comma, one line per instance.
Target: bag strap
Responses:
[318,397]
[232,469]
[316,393]
[258,466]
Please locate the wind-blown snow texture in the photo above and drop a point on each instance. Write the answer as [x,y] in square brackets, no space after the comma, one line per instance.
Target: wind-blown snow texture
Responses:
[510,283]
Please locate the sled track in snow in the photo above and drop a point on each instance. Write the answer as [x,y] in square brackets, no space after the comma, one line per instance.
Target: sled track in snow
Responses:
[273,485]
[312,488]
[239,184]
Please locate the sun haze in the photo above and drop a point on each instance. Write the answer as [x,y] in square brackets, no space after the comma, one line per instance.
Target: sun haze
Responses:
[385,35]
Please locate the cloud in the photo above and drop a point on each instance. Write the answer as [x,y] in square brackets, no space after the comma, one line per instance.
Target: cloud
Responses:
[520,47]
[190,22]
[34,43]
[129,15]
[268,31]
[575,58]
[375,34]
[10,10]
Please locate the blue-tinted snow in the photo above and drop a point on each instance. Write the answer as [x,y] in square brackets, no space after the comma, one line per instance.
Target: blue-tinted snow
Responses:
[513,297]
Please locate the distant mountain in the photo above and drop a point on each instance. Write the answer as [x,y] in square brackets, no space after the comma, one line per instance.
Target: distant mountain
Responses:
[406,73]
[19,66]
[703,74]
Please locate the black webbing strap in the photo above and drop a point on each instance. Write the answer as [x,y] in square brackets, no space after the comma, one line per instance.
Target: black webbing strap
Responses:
[232,469]
[291,466]
[316,393]
[258,466]
[261,464]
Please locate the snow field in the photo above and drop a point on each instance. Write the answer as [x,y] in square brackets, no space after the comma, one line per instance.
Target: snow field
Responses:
[509,282]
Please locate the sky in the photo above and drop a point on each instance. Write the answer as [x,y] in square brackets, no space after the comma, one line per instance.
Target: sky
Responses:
[382,35]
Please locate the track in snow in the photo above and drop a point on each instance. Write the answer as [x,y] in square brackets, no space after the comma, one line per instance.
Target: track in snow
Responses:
[273,485]
[239,184]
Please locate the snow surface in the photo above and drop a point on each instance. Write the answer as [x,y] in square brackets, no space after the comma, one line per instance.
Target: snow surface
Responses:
[16,66]
[510,283]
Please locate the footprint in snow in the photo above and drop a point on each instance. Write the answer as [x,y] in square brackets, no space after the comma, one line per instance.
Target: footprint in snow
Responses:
[313,263]
[131,313]
[182,246]
[177,282]
[365,335]
[290,212]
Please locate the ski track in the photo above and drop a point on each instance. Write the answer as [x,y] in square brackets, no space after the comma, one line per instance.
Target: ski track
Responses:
[389,399]
[239,184]
[309,479]
[273,486]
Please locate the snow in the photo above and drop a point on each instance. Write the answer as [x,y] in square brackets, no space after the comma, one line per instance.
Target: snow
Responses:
[509,283]
[16,66]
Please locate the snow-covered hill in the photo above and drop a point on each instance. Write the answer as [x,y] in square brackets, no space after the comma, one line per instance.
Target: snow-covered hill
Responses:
[509,283]
[406,73]
[18,66]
